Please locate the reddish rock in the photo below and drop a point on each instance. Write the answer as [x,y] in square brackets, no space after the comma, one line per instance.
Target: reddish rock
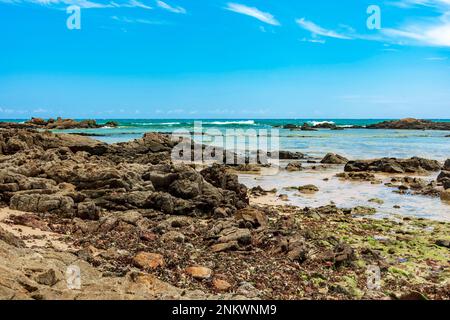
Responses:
[148,260]
[221,285]
[199,272]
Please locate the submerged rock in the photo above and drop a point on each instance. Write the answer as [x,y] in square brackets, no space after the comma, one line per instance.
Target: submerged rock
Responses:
[290,155]
[309,188]
[294,166]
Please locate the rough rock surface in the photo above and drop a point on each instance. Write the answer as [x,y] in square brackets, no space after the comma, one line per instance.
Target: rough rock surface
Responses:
[289,155]
[59,123]
[411,124]
[393,165]
[333,158]
[294,166]
[77,176]
[444,176]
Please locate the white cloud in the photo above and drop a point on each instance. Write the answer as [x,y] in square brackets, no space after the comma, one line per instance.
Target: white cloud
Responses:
[12,111]
[436,58]
[137,4]
[143,21]
[321,41]
[252,12]
[40,110]
[426,32]
[85,4]
[317,30]
[416,3]
[165,6]
[434,32]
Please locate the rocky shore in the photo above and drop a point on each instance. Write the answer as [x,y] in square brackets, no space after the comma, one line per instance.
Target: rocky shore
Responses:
[142,227]
[402,124]
[58,124]
[411,124]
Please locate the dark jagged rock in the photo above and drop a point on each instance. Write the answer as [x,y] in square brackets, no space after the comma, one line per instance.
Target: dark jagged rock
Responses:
[358,176]
[333,158]
[290,155]
[444,177]
[447,165]
[75,176]
[218,176]
[307,127]
[290,126]
[294,166]
[393,165]
[411,124]
[325,125]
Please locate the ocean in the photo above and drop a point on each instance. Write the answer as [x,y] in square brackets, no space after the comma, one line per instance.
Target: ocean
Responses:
[352,143]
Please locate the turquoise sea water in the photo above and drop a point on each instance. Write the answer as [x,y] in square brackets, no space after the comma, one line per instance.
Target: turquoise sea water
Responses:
[353,143]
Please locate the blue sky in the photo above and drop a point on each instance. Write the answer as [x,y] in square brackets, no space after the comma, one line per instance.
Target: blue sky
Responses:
[220,59]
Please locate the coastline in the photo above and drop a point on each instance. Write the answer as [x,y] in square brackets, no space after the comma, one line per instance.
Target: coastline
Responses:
[132,218]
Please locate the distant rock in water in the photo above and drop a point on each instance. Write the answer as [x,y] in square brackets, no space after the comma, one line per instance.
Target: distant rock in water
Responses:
[59,123]
[307,127]
[332,158]
[289,155]
[291,126]
[393,165]
[411,124]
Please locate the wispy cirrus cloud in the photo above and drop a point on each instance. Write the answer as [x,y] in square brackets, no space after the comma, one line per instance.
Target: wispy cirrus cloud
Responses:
[135,4]
[317,30]
[168,7]
[85,4]
[417,3]
[430,31]
[252,12]
[138,20]
[436,58]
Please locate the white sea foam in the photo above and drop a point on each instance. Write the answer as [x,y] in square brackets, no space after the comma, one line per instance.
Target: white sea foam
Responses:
[315,123]
[156,123]
[244,122]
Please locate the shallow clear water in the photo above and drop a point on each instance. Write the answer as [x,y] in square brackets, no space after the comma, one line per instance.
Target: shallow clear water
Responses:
[348,194]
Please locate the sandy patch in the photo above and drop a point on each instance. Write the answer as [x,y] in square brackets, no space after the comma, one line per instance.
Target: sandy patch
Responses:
[32,237]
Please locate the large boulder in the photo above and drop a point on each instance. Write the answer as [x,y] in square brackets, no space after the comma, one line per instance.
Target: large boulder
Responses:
[447,165]
[444,176]
[218,176]
[333,158]
[43,203]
